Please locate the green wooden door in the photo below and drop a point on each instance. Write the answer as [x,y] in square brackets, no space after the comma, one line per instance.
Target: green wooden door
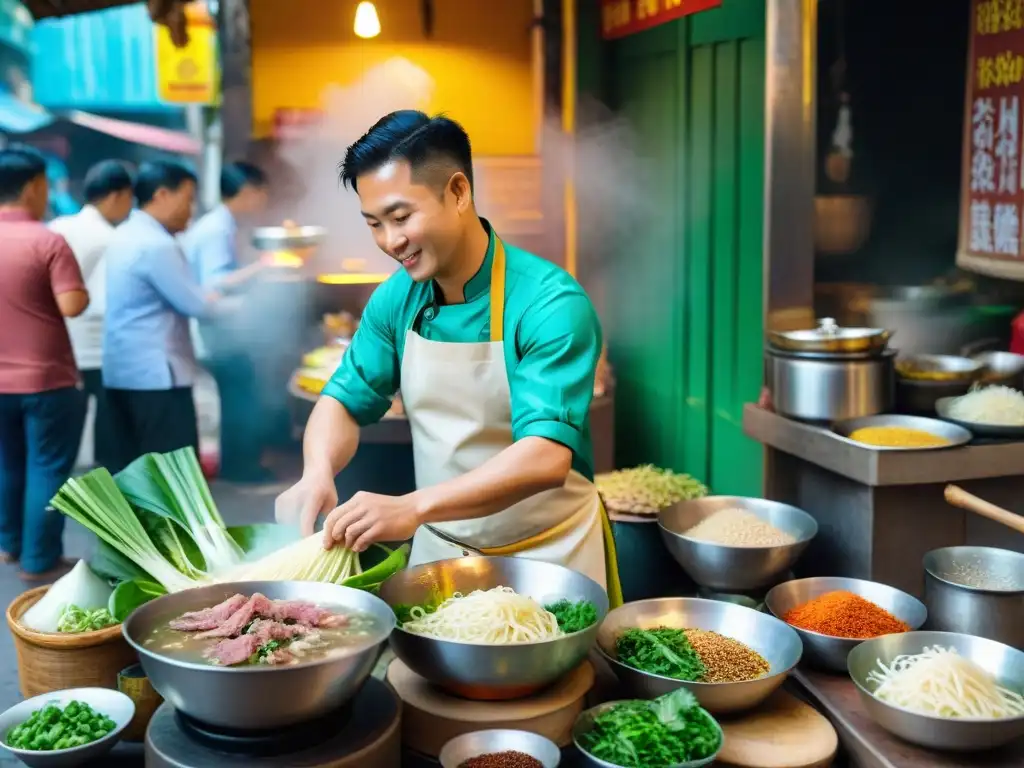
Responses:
[684,318]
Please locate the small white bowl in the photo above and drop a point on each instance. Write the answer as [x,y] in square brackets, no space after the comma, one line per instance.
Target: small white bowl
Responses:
[111,703]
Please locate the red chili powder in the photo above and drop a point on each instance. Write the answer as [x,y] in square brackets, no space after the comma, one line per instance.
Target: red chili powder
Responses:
[844,614]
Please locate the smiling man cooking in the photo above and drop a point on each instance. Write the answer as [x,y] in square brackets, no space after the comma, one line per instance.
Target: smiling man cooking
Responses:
[495,352]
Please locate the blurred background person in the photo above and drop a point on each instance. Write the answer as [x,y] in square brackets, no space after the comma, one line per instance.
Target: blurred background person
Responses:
[149,364]
[212,248]
[108,202]
[41,406]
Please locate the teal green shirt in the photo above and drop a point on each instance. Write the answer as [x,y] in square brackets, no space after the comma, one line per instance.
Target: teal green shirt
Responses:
[552,342]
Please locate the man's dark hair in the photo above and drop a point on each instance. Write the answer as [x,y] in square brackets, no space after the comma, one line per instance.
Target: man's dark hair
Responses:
[160,175]
[428,144]
[19,165]
[105,178]
[235,176]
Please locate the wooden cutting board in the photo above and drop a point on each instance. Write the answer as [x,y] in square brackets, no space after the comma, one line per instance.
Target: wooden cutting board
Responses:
[784,732]
[431,717]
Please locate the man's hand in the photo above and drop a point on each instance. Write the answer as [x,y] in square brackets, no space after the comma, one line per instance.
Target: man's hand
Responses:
[314,495]
[368,518]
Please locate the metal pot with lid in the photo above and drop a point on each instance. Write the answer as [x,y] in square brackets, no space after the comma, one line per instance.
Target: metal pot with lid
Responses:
[830,373]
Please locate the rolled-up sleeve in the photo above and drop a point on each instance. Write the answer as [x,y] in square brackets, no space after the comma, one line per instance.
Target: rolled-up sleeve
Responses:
[368,376]
[559,340]
[167,271]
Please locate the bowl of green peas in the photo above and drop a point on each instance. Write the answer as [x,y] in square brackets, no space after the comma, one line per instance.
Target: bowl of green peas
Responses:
[65,728]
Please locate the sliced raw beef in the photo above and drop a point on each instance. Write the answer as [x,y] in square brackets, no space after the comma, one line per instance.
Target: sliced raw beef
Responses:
[209,618]
[266,630]
[305,613]
[256,606]
[234,650]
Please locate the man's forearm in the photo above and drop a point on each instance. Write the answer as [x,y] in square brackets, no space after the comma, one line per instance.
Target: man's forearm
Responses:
[331,438]
[525,468]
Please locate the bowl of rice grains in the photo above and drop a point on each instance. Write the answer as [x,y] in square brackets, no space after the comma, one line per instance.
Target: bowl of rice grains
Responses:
[976,591]
[728,656]
[989,411]
[833,615]
[671,731]
[942,690]
[735,543]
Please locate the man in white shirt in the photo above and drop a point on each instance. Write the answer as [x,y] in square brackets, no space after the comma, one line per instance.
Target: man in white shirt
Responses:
[108,195]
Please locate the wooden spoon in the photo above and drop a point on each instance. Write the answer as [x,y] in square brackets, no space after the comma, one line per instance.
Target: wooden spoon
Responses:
[958,497]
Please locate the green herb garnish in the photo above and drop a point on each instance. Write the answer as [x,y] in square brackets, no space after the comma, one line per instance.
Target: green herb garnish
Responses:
[573,617]
[74,620]
[662,651]
[52,728]
[639,734]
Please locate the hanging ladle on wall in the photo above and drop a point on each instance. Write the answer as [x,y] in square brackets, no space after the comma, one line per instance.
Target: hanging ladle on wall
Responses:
[958,497]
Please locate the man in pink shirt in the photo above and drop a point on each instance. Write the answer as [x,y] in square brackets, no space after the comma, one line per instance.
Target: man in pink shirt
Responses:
[41,406]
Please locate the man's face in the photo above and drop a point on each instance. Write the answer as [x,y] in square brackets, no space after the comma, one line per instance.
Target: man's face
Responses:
[120,205]
[417,225]
[251,200]
[175,206]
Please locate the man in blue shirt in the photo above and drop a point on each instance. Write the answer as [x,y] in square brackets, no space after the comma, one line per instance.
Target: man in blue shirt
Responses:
[211,247]
[149,365]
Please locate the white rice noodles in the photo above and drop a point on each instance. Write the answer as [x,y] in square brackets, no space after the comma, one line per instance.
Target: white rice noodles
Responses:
[497,616]
[997,405]
[941,683]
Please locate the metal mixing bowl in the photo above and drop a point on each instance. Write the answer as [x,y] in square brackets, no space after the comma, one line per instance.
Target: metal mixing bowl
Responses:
[830,652]
[775,640]
[585,722]
[492,672]
[1004,663]
[259,697]
[995,614]
[287,238]
[470,745]
[734,569]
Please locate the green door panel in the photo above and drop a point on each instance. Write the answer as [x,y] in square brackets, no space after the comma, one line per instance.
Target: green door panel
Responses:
[685,328]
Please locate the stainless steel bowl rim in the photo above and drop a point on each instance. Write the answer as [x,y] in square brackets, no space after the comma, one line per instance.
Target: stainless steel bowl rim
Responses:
[936,718]
[739,501]
[929,569]
[616,662]
[767,605]
[374,639]
[601,708]
[956,434]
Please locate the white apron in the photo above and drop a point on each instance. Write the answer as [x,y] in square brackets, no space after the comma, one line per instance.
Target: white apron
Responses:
[459,406]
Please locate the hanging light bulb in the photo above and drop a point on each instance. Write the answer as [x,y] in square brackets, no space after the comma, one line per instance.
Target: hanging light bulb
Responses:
[367,22]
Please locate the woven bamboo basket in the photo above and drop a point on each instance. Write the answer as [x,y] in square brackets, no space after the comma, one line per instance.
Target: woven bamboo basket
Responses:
[50,662]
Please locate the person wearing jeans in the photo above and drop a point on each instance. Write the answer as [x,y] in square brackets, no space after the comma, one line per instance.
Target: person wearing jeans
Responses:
[42,408]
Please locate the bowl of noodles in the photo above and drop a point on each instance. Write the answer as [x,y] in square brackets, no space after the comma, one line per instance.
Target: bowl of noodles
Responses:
[493,628]
[942,690]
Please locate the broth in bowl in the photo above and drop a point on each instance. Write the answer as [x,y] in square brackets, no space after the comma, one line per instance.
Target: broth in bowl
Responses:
[256,631]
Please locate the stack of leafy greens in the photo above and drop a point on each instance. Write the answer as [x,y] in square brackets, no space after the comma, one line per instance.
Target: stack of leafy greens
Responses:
[159,531]
[661,651]
[573,617]
[669,730]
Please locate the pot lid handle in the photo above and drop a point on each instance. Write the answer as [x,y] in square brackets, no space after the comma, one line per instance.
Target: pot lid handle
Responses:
[828,327]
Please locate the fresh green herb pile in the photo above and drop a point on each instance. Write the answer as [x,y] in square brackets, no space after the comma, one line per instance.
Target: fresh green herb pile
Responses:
[573,617]
[646,734]
[74,619]
[662,651]
[51,728]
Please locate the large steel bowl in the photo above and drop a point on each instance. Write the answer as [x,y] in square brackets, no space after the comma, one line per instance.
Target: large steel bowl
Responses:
[994,611]
[585,723]
[734,569]
[1004,663]
[828,652]
[259,697]
[492,672]
[775,640]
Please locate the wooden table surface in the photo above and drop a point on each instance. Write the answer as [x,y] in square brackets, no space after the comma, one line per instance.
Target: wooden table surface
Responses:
[871,746]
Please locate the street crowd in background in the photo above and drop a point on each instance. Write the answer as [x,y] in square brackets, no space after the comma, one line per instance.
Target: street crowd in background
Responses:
[105,305]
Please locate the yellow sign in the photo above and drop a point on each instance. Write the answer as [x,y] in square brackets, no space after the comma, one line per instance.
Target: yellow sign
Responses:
[188,75]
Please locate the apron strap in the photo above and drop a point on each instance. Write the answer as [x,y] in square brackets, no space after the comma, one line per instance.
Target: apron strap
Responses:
[498,291]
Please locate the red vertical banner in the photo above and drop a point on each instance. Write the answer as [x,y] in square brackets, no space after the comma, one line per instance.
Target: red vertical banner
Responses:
[992,184]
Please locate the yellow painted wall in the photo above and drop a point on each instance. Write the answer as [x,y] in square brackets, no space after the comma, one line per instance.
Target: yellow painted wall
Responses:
[479,56]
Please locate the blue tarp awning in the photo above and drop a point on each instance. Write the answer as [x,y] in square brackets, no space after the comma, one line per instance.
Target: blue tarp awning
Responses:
[18,117]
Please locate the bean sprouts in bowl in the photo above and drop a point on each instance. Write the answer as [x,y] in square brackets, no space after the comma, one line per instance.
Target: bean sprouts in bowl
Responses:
[942,690]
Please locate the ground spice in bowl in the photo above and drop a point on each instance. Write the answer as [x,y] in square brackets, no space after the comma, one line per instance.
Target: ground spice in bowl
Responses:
[508,759]
[844,614]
